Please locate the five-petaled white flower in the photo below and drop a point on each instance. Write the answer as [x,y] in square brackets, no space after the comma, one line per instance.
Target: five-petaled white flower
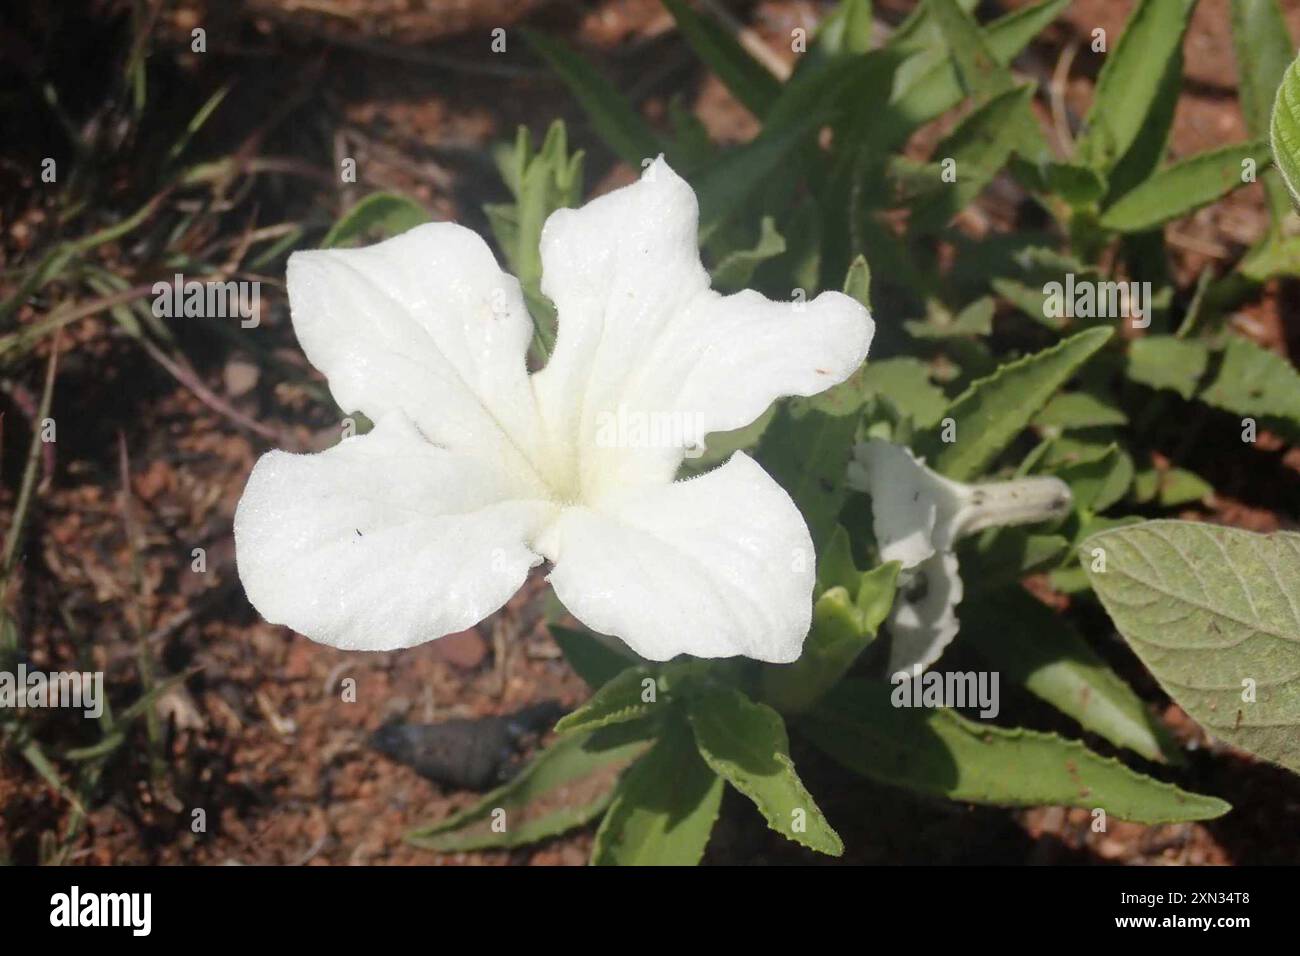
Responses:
[918,516]
[476,470]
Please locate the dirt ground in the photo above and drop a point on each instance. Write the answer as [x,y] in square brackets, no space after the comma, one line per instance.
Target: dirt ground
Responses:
[258,735]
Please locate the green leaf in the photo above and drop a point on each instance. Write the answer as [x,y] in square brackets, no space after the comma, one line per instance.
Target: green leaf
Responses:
[1170,487]
[978,69]
[734,271]
[905,384]
[596,662]
[806,449]
[1285,129]
[845,621]
[936,751]
[994,410]
[567,785]
[974,321]
[747,79]
[663,809]
[846,31]
[620,126]
[1254,381]
[979,147]
[723,189]
[1162,361]
[933,87]
[378,216]
[1100,481]
[1130,79]
[1184,187]
[857,282]
[1038,649]
[542,183]
[1001,557]
[746,744]
[1212,612]
[1071,410]
[618,701]
[1263,48]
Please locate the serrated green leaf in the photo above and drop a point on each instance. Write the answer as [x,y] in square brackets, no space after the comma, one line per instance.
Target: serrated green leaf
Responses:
[748,80]
[745,743]
[663,809]
[1162,361]
[618,701]
[1071,410]
[1038,649]
[938,752]
[1213,614]
[994,410]
[1184,187]
[1130,79]
[1254,381]
[378,216]
[567,785]
[615,121]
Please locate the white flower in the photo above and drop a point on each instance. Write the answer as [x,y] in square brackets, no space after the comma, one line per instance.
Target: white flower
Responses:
[476,470]
[918,516]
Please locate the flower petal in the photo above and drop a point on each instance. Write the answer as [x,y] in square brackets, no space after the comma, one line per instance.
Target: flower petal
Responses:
[424,323]
[383,541]
[923,620]
[716,566]
[648,359]
[913,510]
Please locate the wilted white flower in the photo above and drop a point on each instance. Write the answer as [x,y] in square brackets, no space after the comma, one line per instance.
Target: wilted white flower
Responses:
[918,516]
[476,470]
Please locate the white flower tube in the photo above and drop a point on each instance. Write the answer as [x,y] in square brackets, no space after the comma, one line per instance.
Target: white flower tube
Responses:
[918,516]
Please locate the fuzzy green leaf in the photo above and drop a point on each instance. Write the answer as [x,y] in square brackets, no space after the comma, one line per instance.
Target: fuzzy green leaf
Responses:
[1214,614]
